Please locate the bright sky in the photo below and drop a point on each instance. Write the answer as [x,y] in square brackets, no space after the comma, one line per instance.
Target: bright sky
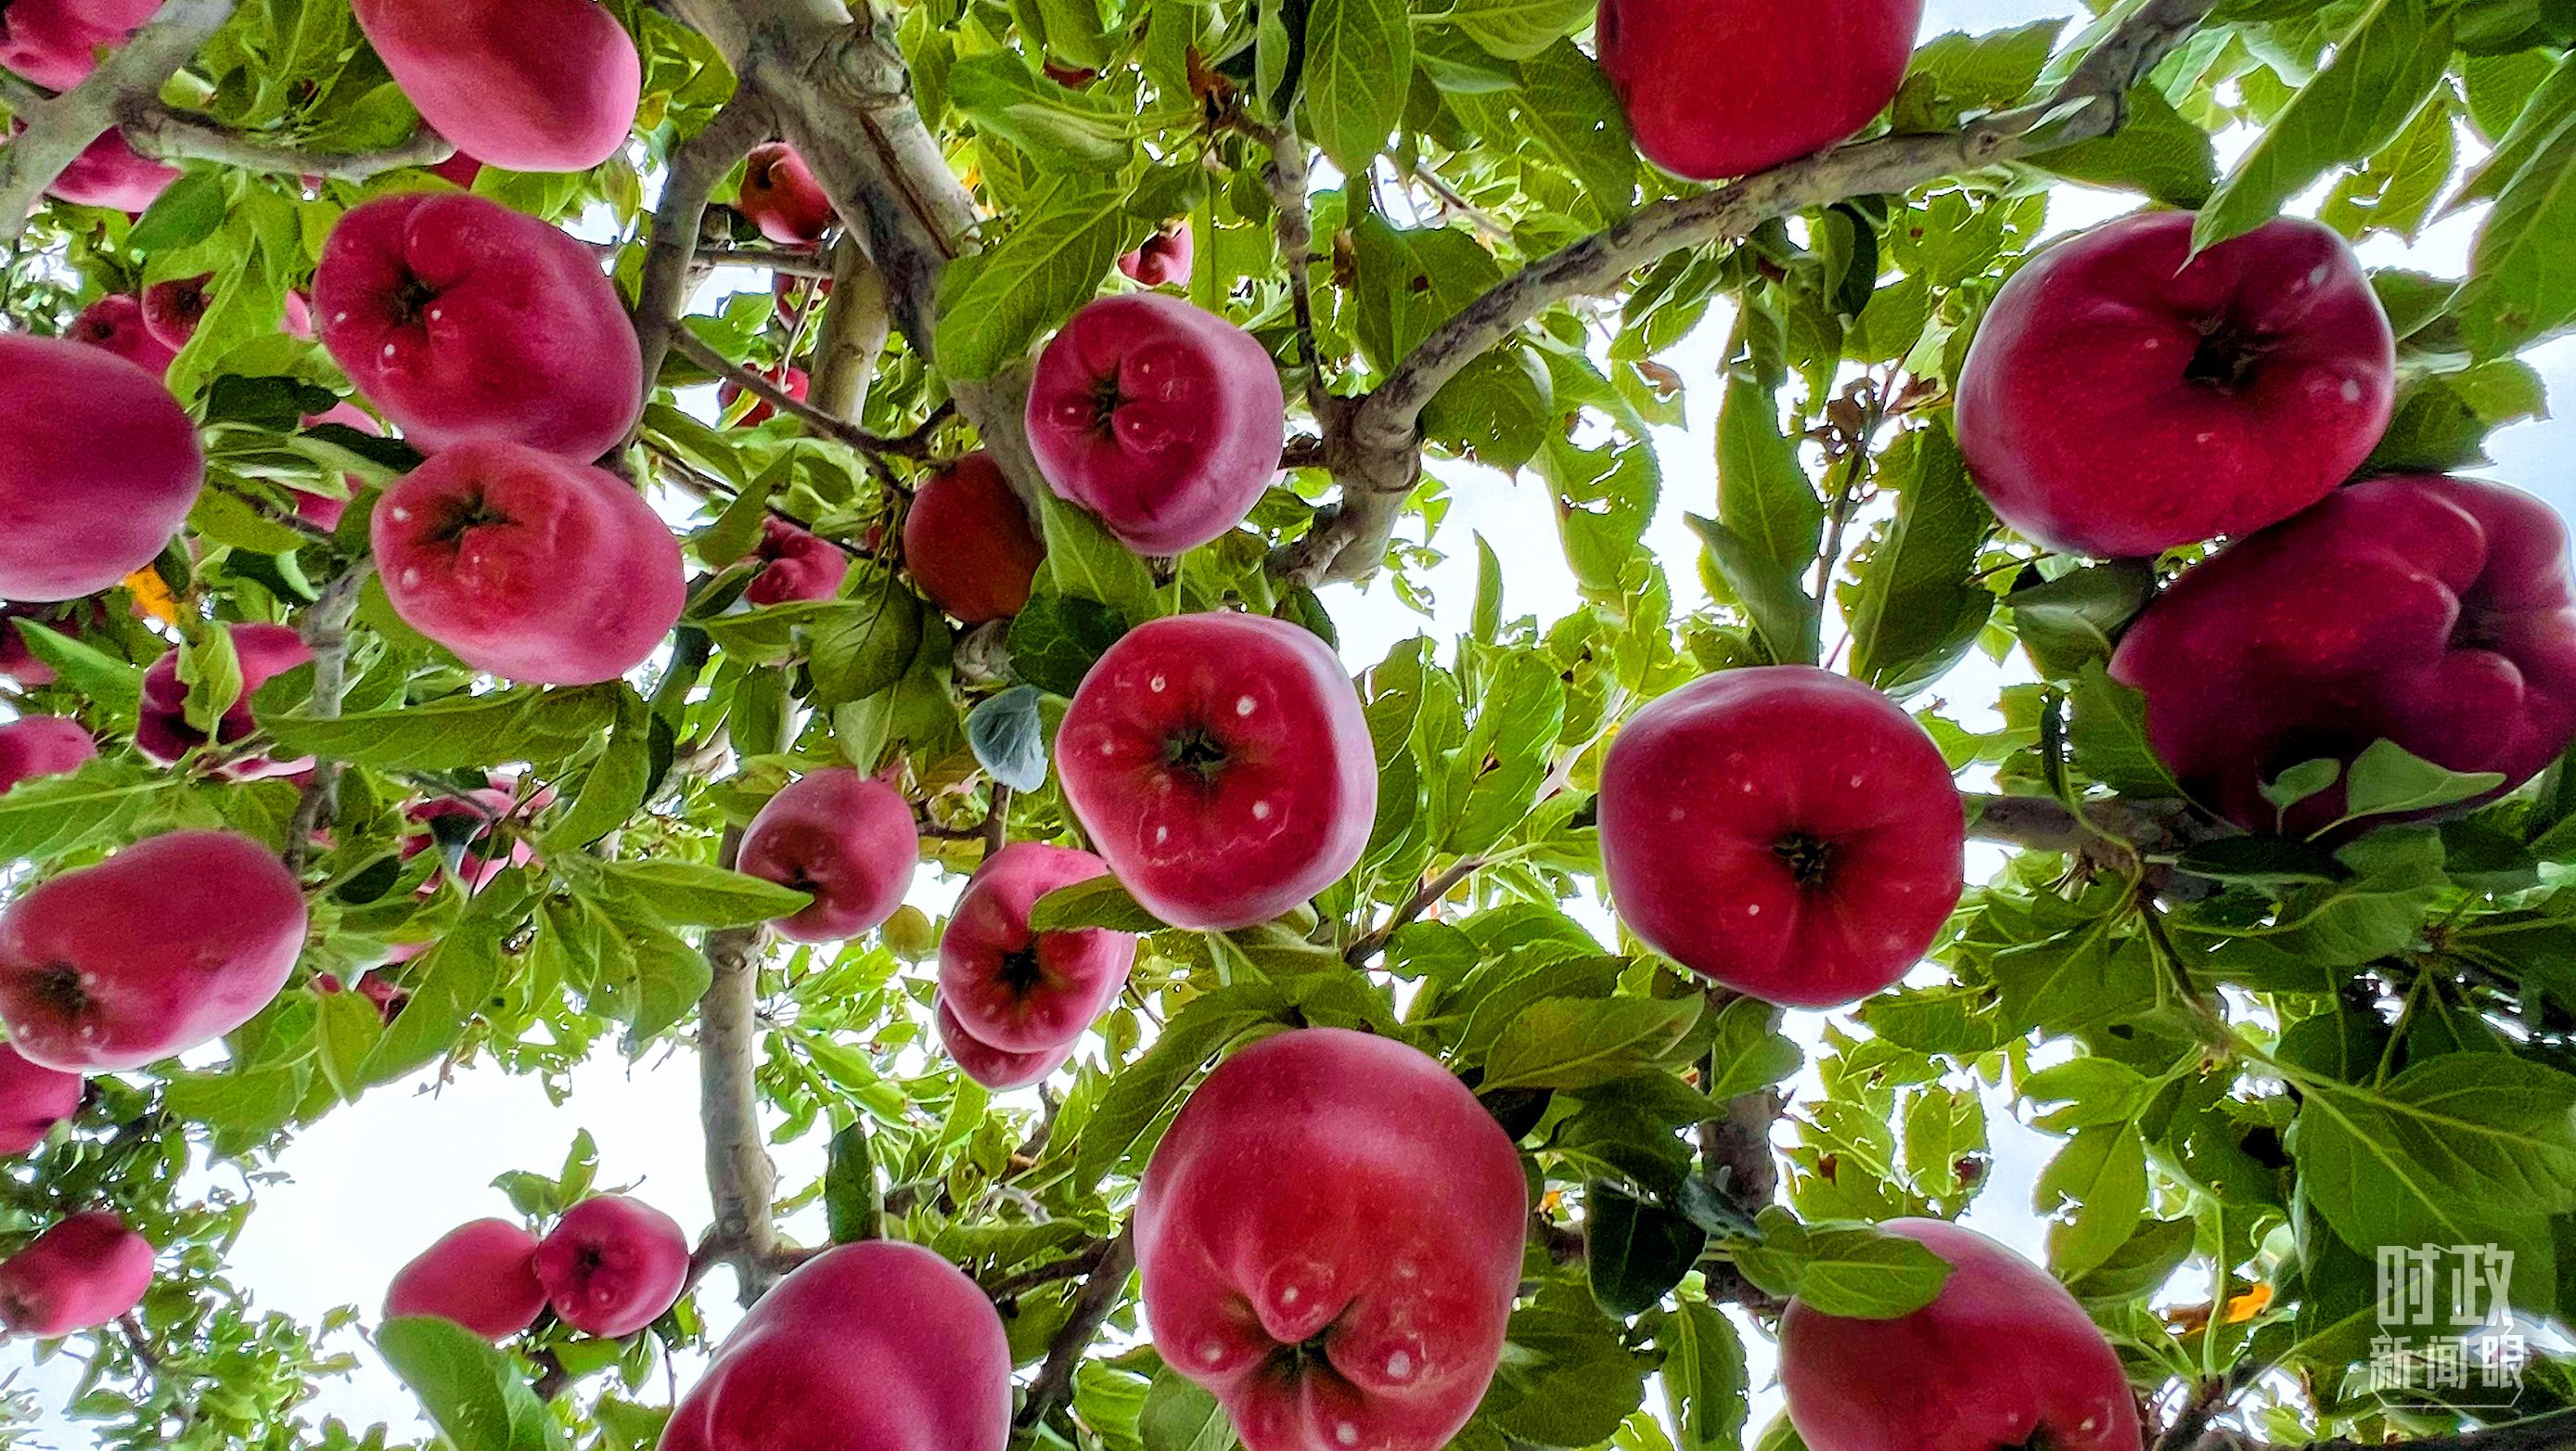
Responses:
[376,1181]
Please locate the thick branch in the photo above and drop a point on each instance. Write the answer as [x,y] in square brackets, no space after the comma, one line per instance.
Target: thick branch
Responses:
[59,130]
[741,1180]
[1054,1384]
[697,164]
[172,135]
[853,335]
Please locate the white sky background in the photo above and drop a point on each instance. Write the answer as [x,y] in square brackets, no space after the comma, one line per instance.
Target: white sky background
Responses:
[376,1181]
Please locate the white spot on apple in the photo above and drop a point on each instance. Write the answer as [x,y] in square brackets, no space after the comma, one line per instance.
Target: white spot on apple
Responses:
[410,577]
[1261,811]
[1244,705]
[1347,1434]
[2318,274]
[1157,684]
[1211,1352]
[1163,834]
[2352,390]
[1399,1365]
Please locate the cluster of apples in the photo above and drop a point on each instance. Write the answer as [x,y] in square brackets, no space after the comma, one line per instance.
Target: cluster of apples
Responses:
[609,1267]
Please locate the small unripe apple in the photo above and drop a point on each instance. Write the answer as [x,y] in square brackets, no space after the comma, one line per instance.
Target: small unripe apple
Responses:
[78,1275]
[612,1265]
[481,1275]
[42,745]
[878,1344]
[162,732]
[998,1069]
[782,198]
[98,468]
[2123,396]
[848,840]
[1019,990]
[1164,420]
[532,85]
[796,383]
[115,322]
[33,1098]
[1790,833]
[1719,88]
[173,308]
[1164,258]
[2433,612]
[57,43]
[795,565]
[462,321]
[1330,1236]
[168,944]
[1221,764]
[2003,1356]
[967,541]
[527,565]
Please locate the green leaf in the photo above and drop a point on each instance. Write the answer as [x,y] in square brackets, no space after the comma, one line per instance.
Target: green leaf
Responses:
[854,654]
[1858,1271]
[2067,623]
[1704,1377]
[187,212]
[1059,127]
[1919,609]
[2541,118]
[851,1203]
[1179,1416]
[2443,420]
[2386,779]
[2107,731]
[993,304]
[1787,617]
[106,681]
[449,984]
[472,1390]
[695,894]
[1518,29]
[1571,1042]
[1055,638]
[2094,1192]
[2381,71]
[1085,561]
[1359,63]
[614,789]
[1099,902]
[1144,1091]
[104,801]
[2441,1153]
[2157,151]
[2519,288]
[537,726]
[1009,742]
[1633,1251]
[1763,492]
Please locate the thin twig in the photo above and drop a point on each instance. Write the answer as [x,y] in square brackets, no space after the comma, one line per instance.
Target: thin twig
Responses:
[1053,1386]
[172,135]
[1374,942]
[913,445]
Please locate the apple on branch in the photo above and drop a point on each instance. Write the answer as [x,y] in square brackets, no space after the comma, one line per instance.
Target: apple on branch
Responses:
[612,1265]
[163,733]
[481,1275]
[33,1098]
[1018,993]
[42,745]
[1720,88]
[531,85]
[848,840]
[781,197]
[98,468]
[968,544]
[82,1273]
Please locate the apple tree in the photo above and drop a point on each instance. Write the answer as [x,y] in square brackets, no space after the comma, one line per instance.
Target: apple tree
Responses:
[529,530]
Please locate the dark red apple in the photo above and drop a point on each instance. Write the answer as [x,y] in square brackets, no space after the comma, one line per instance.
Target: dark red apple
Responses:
[111,173]
[2003,1356]
[478,816]
[796,383]
[1718,88]
[481,1274]
[2436,613]
[78,1275]
[42,745]
[848,840]
[1330,1236]
[57,43]
[33,1098]
[781,197]
[1788,832]
[458,170]
[967,541]
[168,944]
[996,1068]
[531,85]
[1163,260]
[1221,763]
[464,321]
[116,323]
[172,309]
[795,565]
[612,1265]
[1164,420]
[528,565]
[1022,991]
[2123,397]
[162,732]
[98,468]
[878,1344]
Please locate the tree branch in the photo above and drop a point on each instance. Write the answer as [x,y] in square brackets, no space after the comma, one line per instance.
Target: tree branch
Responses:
[130,78]
[913,445]
[853,335]
[696,165]
[1099,1295]
[326,633]
[171,135]
[1374,942]
[741,1180]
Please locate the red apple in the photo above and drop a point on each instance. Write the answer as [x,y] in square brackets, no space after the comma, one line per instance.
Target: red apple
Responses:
[56,43]
[1330,1235]
[110,173]
[116,323]
[794,294]
[168,944]
[527,565]
[847,839]
[1718,88]
[781,197]
[483,814]
[1164,420]
[163,734]
[464,321]
[42,745]
[458,170]
[385,993]
[98,468]
[795,565]
[1787,832]
[2123,397]
[481,1274]
[2003,1356]
[612,1265]
[33,1098]
[17,661]
[295,316]
[967,541]
[2436,613]
[78,1275]
[1221,763]
[1163,260]
[531,85]
[1017,990]
[996,1068]
[878,1344]
[795,383]
[172,309]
